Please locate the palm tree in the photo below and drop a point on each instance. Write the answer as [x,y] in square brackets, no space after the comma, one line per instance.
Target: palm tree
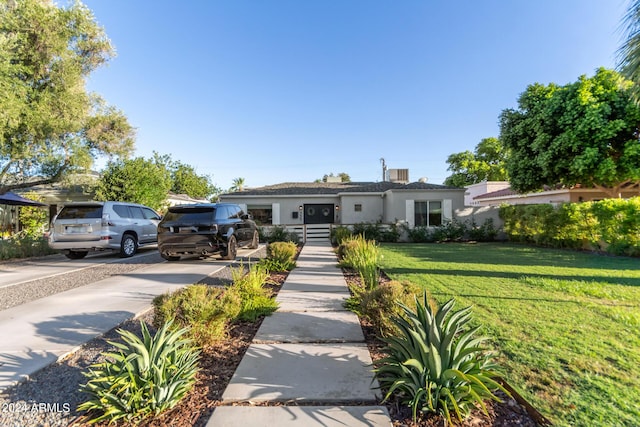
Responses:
[629,52]
[238,185]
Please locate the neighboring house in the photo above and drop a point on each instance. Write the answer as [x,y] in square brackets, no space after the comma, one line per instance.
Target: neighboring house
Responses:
[298,203]
[509,196]
[480,188]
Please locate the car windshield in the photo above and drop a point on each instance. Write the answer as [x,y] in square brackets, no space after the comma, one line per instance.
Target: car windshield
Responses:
[75,212]
[190,215]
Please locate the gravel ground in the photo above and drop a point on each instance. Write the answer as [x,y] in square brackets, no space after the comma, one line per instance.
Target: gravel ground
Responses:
[49,398]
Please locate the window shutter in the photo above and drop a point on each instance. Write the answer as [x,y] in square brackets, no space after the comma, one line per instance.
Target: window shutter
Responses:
[447,210]
[275,213]
[410,216]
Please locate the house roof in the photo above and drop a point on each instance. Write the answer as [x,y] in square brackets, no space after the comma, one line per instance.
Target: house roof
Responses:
[499,193]
[319,188]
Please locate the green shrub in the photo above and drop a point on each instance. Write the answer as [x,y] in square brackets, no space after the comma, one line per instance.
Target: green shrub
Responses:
[486,232]
[363,256]
[339,234]
[255,299]
[34,220]
[436,364]
[278,234]
[380,304]
[22,245]
[368,230]
[283,254]
[612,225]
[205,310]
[145,377]
[376,232]
[450,231]
[420,234]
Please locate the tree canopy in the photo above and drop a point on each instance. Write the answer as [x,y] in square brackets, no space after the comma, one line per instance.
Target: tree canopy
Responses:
[49,124]
[137,180]
[185,179]
[344,177]
[584,133]
[486,163]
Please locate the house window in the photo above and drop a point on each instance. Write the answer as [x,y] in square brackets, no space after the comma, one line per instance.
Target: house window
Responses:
[357,207]
[262,214]
[428,213]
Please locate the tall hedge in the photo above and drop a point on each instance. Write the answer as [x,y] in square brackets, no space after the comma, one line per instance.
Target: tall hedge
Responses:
[611,225]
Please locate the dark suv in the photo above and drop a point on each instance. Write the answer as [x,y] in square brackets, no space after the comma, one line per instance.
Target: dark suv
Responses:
[204,229]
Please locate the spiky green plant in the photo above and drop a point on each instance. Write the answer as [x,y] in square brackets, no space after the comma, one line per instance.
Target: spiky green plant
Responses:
[363,256]
[436,364]
[145,377]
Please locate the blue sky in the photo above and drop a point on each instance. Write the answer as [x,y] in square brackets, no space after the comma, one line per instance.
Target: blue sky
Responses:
[283,90]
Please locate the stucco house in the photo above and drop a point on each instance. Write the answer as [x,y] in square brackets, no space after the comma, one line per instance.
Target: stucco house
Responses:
[344,203]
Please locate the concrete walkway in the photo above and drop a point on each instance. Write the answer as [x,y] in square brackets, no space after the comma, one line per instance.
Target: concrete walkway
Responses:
[309,356]
[37,334]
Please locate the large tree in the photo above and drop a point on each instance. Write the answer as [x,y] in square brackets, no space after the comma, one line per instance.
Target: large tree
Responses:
[185,179]
[49,124]
[486,163]
[585,133]
[137,180]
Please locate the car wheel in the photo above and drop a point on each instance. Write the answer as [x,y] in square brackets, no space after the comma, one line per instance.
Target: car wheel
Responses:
[128,246]
[170,257]
[232,249]
[76,254]
[255,240]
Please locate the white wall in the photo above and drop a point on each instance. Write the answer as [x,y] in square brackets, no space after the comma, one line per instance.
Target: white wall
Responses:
[372,207]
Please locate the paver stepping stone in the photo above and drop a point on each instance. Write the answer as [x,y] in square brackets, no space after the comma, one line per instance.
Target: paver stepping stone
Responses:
[303,372]
[313,327]
[311,301]
[300,416]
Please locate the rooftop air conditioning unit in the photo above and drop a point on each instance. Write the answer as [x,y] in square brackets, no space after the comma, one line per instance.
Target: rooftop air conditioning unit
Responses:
[399,175]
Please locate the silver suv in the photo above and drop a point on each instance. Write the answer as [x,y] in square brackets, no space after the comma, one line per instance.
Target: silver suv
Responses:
[84,226]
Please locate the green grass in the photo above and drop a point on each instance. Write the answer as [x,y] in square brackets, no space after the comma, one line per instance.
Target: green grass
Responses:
[566,324]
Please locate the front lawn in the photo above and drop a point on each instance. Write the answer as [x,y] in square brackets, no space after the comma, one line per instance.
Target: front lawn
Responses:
[566,324]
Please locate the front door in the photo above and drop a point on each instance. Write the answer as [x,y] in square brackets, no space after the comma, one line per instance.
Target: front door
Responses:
[319,214]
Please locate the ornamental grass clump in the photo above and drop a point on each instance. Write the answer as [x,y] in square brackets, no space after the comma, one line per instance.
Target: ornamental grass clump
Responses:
[204,310]
[145,377]
[363,256]
[255,299]
[280,256]
[436,364]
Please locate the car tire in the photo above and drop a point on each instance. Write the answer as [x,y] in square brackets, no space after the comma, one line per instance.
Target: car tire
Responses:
[170,257]
[255,241]
[232,249]
[128,245]
[76,254]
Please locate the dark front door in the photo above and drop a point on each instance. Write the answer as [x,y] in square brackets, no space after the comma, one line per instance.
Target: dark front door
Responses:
[319,214]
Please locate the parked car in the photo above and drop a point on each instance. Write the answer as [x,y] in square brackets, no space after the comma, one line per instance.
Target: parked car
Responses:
[88,226]
[205,229]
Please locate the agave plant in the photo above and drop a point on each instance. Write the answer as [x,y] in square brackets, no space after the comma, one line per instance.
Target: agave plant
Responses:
[146,377]
[436,364]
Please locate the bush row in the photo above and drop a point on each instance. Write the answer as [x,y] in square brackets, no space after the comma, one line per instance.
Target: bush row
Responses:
[24,246]
[450,231]
[610,225]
